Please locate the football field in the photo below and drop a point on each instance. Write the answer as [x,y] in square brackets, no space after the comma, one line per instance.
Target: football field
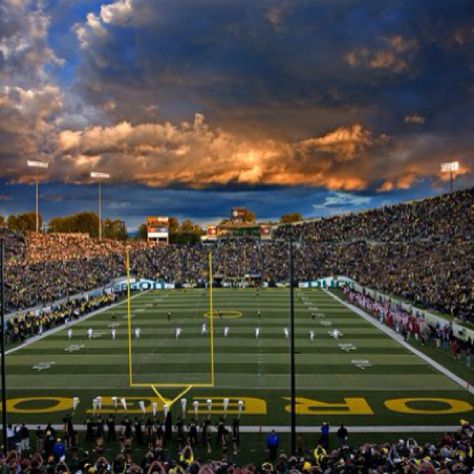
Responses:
[350,372]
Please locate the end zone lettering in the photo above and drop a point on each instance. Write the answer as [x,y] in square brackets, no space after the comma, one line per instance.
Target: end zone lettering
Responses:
[252,406]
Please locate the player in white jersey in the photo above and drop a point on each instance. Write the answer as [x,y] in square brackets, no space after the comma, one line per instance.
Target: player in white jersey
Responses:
[137,333]
[286,333]
[226,331]
[114,333]
[69,334]
[311,336]
[336,333]
[257,333]
[89,333]
[178,332]
[204,330]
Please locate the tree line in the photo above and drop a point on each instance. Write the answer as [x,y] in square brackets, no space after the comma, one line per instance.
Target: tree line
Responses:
[88,222]
[81,222]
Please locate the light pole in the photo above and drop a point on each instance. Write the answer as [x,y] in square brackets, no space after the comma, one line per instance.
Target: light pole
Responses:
[43,165]
[2,348]
[450,167]
[100,177]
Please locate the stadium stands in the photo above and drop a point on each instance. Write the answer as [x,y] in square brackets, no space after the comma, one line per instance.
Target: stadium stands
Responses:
[421,251]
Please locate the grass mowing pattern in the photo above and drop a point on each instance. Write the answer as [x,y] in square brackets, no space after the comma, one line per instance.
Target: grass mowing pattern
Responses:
[244,366]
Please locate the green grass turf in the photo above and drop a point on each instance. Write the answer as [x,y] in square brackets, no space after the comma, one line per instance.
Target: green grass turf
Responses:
[438,354]
[244,367]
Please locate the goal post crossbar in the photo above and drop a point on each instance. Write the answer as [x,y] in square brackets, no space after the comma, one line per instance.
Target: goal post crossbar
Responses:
[155,386]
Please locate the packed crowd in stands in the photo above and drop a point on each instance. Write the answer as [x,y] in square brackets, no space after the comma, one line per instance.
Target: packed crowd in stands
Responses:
[446,217]
[421,251]
[72,247]
[34,323]
[15,246]
[56,452]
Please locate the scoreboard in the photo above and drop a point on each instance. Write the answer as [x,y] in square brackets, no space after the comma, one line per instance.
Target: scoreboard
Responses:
[157,229]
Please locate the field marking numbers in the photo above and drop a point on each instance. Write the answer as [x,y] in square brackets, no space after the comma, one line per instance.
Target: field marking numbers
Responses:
[396,337]
[347,347]
[74,347]
[50,332]
[43,365]
[361,363]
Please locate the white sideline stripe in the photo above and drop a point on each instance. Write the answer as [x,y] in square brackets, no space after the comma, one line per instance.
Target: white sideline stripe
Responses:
[60,328]
[309,429]
[394,335]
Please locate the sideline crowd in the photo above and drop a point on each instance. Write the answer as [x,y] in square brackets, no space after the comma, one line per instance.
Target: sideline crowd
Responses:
[34,323]
[413,325]
[58,452]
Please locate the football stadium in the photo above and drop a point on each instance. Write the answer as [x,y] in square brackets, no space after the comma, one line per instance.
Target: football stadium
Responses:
[236,237]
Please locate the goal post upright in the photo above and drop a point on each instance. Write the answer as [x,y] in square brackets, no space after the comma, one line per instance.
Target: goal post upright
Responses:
[211,314]
[129,319]
[184,387]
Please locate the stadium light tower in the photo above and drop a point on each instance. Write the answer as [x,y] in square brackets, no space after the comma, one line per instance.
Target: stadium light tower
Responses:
[37,165]
[450,167]
[2,347]
[100,177]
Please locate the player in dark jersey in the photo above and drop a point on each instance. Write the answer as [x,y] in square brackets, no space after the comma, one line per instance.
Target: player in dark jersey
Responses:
[192,433]
[206,434]
[180,432]
[111,428]
[220,426]
[235,434]
[149,433]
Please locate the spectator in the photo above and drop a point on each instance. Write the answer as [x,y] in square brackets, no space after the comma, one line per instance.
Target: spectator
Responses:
[273,443]
[342,435]
[59,450]
[25,437]
[324,439]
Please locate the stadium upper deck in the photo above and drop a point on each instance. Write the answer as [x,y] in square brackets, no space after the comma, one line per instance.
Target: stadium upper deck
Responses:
[422,251]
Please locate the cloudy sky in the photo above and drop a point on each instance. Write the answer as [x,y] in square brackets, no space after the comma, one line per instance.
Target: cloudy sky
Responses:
[194,106]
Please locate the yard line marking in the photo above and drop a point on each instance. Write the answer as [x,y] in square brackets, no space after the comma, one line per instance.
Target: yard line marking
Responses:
[60,328]
[239,387]
[397,337]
